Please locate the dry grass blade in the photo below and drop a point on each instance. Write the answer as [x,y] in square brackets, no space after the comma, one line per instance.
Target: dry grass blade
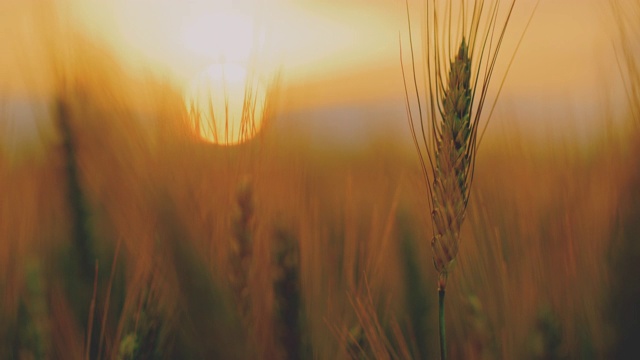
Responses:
[370,324]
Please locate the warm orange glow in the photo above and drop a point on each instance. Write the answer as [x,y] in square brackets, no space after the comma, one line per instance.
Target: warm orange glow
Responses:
[224,34]
[177,38]
[306,40]
[225,104]
[329,53]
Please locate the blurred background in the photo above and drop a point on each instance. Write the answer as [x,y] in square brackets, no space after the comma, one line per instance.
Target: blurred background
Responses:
[236,179]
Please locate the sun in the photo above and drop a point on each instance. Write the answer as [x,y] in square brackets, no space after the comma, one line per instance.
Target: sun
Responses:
[225,103]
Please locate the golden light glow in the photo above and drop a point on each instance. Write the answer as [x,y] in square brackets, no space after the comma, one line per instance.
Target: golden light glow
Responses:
[224,35]
[306,40]
[328,52]
[225,104]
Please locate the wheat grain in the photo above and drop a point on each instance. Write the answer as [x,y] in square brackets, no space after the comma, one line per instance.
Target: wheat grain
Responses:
[452,159]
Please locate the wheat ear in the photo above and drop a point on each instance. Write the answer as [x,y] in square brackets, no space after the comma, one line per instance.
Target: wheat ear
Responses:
[450,190]
[446,133]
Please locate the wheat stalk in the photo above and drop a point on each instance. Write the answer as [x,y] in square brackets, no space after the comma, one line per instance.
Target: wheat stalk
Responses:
[446,134]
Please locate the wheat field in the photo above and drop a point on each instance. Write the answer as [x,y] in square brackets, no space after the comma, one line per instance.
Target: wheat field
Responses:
[121,240]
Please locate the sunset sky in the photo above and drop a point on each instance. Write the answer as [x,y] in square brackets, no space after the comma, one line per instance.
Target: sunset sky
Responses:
[339,59]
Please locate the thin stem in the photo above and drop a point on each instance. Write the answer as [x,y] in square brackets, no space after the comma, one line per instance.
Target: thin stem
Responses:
[443,340]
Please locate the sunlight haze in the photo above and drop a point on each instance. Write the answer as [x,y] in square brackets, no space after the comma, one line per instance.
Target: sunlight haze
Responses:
[328,53]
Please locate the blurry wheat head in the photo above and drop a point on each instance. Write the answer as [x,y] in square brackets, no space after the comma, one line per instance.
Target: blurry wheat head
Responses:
[461,41]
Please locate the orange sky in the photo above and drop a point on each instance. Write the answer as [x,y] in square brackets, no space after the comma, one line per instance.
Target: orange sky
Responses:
[315,40]
[331,52]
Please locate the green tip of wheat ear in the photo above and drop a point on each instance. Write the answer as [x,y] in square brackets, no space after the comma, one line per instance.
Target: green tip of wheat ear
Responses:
[453,145]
